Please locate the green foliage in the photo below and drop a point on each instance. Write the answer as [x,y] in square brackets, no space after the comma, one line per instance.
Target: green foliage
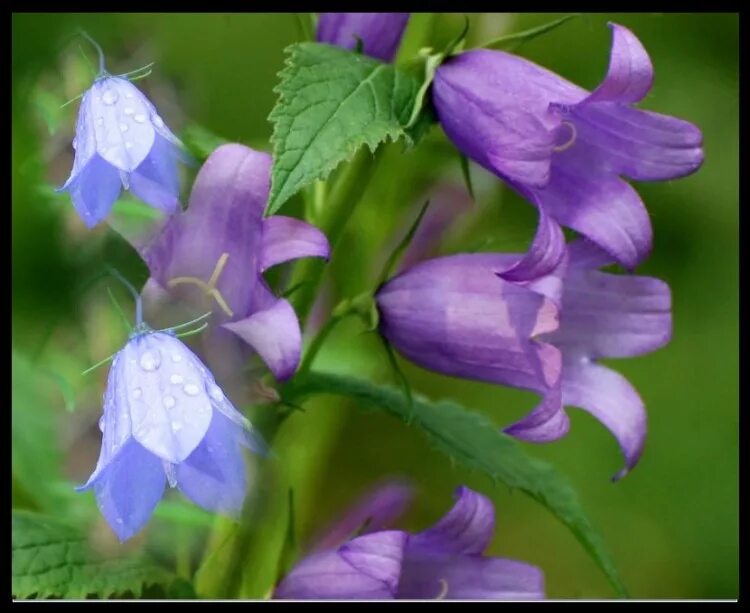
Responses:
[331,103]
[472,440]
[510,42]
[51,558]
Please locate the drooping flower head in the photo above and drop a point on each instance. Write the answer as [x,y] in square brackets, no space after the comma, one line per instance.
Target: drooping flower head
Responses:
[566,148]
[121,141]
[166,421]
[380,33]
[444,561]
[213,255]
[490,317]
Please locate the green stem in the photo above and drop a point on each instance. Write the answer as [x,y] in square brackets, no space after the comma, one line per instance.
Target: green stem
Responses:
[341,201]
[318,341]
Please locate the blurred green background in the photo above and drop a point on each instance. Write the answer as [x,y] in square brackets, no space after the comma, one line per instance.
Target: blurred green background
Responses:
[671,525]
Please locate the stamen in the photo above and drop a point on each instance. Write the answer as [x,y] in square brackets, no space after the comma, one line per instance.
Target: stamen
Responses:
[208,288]
[571,139]
[443,590]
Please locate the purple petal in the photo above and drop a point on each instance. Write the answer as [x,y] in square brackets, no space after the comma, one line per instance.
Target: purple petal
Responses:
[584,254]
[605,209]
[275,334]
[214,475]
[165,388]
[121,120]
[455,316]
[156,180]
[129,488]
[367,567]
[548,421]
[630,72]
[544,254]
[606,315]
[436,576]
[374,512]
[94,189]
[466,529]
[380,32]
[610,398]
[287,238]
[224,216]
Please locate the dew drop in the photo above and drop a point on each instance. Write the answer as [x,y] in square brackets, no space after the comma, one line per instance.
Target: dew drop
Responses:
[119,521]
[137,392]
[128,94]
[150,360]
[109,97]
[191,389]
[139,118]
[100,121]
[215,392]
[123,127]
[101,423]
[176,426]
[75,143]
[169,401]
[128,110]
[128,145]
[158,122]
[176,357]
[176,379]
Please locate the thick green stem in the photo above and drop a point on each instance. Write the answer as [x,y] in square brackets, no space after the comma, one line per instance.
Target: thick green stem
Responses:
[339,206]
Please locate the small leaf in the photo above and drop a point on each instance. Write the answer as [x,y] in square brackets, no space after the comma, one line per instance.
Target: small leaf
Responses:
[331,103]
[51,558]
[473,441]
[466,173]
[509,42]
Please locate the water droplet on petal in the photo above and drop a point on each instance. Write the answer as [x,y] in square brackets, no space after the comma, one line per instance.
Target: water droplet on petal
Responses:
[176,357]
[101,423]
[215,392]
[128,145]
[139,118]
[137,392]
[176,426]
[128,110]
[75,143]
[150,360]
[123,127]
[169,401]
[158,122]
[109,97]
[128,94]
[176,379]
[191,389]
[100,121]
[118,520]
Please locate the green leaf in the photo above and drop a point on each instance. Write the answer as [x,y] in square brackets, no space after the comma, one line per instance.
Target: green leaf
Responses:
[466,174]
[331,103]
[51,558]
[509,42]
[473,441]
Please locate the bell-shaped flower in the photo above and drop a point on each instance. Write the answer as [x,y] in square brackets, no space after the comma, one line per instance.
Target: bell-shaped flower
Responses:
[565,148]
[213,255]
[121,141]
[490,317]
[167,421]
[445,561]
[380,33]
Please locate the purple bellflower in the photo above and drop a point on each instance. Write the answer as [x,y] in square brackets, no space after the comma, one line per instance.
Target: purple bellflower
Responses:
[166,421]
[121,141]
[380,32]
[213,255]
[444,561]
[494,317]
[565,148]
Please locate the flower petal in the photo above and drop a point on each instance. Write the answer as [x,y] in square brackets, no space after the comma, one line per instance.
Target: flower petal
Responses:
[548,421]
[367,567]
[380,32]
[214,475]
[129,489]
[166,389]
[613,316]
[287,238]
[605,209]
[275,334]
[436,576]
[156,180]
[94,189]
[544,254]
[374,512]
[630,72]
[466,529]
[610,398]
[122,123]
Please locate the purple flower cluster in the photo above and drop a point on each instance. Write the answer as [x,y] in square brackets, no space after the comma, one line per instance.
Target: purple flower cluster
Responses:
[538,321]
